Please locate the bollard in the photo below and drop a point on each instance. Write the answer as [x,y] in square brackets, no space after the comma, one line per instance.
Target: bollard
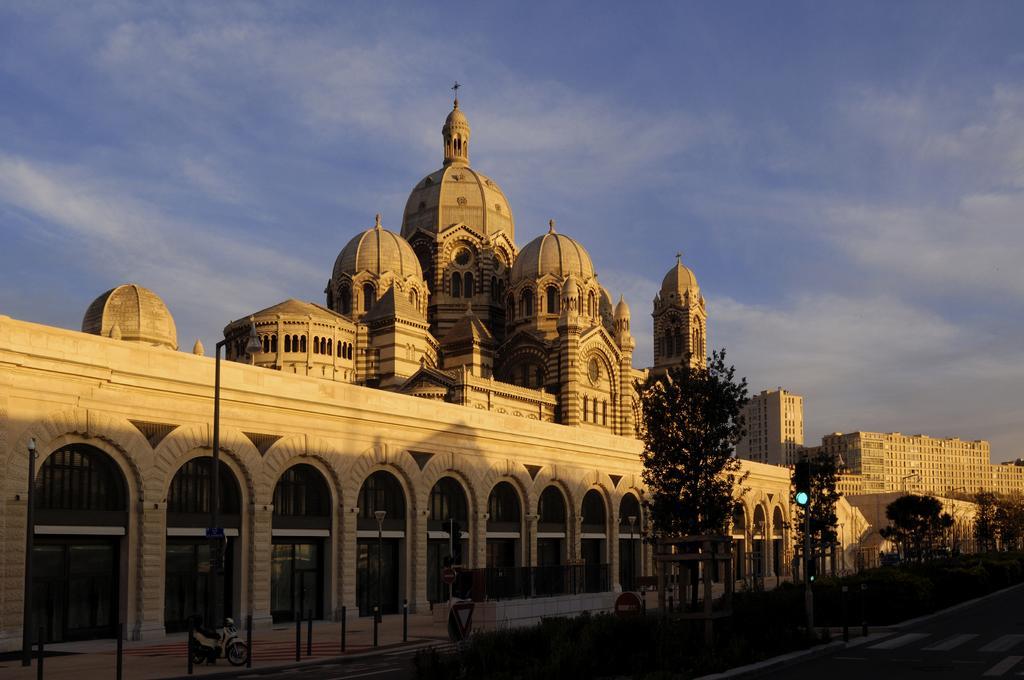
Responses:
[343,626]
[188,647]
[42,653]
[248,639]
[309,634]
[405,620]
[864,609]
[120,651]
[376,620]
[298,636]
[846,623]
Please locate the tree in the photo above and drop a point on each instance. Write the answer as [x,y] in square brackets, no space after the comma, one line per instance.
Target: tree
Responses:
[824,496]
[1009,523]
[985,520]
[691,422]
[918,525]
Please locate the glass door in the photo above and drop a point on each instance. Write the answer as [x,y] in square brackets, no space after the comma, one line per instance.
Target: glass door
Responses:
[74,588]
[297,578]
[377,575]
[186,582]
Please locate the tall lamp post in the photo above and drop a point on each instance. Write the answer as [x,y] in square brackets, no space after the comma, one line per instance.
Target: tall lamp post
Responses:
[217,539]
[632,552]
[26,614]
[380,515]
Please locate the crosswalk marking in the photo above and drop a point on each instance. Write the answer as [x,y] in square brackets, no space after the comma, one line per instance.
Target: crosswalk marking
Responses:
[1003,643]
[900,641]
[951,643]
[1003,666]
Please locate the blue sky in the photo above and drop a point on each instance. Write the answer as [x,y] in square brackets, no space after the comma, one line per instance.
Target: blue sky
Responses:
[847,181]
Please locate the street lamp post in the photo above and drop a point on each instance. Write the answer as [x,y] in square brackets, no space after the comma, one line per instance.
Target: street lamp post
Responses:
[380,515]
[632,545]
[217,542]
[26,614]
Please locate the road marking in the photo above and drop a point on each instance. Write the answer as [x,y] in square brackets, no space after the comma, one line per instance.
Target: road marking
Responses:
[1003,643]
[951,643]
[900,641]
[1003,666]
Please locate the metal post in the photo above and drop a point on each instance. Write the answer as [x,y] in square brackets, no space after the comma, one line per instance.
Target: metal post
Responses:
[26,614]
[298,636]
[864,609]
[211,590]
[376,622]
[120,651]
[248,639]
[808,594]
[42,653]
[309,634]
[344,623]
[405,620]
[191,636]
[846,623]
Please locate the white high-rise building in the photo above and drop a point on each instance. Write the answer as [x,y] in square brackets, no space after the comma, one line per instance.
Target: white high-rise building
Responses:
[775,428]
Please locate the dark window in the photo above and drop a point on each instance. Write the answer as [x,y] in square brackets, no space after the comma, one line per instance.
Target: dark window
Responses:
[593,510]
[552,300]
[265,341]
[316,345]
[80,477]
[190,488]
[456,285]
[287,343]
[503,503]
[345,300]
[302,344]
[273,343]
[629,506]
[381,491]
[448,501]
[494,288]
[369,296]
[301,491]
[468,285]
[527,302]
[551,507]
[330,348]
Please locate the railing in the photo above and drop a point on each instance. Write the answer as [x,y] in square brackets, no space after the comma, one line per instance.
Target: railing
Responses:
[503,583]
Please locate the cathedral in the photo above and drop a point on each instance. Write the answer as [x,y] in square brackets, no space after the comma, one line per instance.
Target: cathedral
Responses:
[453,398]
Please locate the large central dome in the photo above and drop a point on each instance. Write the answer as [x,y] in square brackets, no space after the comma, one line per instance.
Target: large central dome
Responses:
[457,194]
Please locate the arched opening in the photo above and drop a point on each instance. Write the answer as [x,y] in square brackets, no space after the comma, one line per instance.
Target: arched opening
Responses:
[345,300]
[630,545]
[456,284]
[302,344]
[779,562]
[551,542]
[591,304]
[494,289]
[81,517]
[273,343]
[552,295]
[287,343]
[369,296]
[510,311]
[447,533]
[301,530]
[414,298]
[188,560]
[758,557]
[380,544]
[594,543]
[739,541]
[526,303]
[504,531]
[467,284]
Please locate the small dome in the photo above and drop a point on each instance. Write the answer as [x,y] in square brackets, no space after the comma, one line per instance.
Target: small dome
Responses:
[621,308]
[554,254]
[378,250]
[678,281]
[133,313]
[455,120]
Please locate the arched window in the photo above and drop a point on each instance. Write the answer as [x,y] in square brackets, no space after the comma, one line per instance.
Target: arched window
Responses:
[316,344]
[190,489]
[265,340]
[630,507]
[467,285]
[273,343]
[79,477]
[552,300]
[456,285]
[369,296]
[301,492]
[448,501]
[345,300]
[591,305]
[302,344]
[503,505]
[594,512]
[494,289]
[381,491]
[287,343]
[330,348]
[551,507]
[414,299]
[586,407]
[604,412]
[527,303]
[510,311]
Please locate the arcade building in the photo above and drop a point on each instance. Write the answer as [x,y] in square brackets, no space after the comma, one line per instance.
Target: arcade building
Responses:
[450,382]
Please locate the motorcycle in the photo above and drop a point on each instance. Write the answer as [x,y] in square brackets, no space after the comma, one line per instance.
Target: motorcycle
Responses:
[208,645]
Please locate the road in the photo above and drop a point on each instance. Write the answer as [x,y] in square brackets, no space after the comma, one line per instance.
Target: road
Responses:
[982,640]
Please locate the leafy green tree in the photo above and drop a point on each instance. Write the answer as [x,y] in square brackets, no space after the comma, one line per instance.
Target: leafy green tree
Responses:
[985,520]
[917,524]
[824,496]
[691,422]
[1009,523]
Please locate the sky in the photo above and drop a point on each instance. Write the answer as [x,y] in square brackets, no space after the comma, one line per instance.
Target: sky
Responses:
[846,180]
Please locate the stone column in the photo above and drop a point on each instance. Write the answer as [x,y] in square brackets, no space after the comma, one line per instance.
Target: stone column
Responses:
[152,550]
[531,540]
[416,539]
[260,556]
[478,540]
[347,559]
[613,551]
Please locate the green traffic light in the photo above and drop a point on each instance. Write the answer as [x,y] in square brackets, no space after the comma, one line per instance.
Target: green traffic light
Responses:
[802,498]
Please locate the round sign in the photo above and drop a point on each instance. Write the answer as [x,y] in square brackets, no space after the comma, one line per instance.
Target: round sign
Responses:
[628,604]
[448,575]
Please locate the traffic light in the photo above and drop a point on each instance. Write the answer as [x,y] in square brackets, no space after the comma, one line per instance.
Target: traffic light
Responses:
[802,483]
[812,569]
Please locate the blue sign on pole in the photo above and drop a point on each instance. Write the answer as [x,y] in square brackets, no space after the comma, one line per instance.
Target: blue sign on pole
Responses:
[215,532]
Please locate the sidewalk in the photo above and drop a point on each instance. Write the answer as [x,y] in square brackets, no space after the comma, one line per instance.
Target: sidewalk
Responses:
[167,659]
